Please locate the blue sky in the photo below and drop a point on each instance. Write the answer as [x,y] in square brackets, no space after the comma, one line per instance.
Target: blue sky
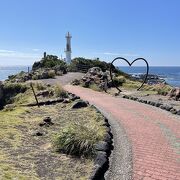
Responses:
[99,28]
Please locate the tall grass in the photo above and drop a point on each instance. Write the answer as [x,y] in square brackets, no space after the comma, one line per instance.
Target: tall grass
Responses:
[79,139]
[40,86]
[60,92]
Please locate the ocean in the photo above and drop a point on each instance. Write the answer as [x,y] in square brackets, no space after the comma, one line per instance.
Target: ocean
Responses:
[170,74]
[5,71]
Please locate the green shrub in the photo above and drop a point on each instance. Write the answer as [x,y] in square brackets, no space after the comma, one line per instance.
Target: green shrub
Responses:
[81,64]
[14,88]
[118,81]
[51,74]
[34,77]
[60,92]
[95,87]
[50,61]
[10,90]
[77,139]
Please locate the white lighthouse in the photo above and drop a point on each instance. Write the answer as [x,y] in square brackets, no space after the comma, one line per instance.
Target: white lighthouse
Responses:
[68,48]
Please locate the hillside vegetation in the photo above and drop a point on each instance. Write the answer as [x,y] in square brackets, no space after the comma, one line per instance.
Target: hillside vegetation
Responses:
[35,140]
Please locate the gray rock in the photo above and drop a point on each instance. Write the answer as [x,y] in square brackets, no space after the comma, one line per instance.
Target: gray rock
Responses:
[158,104]
[80,104]
[38,133]
[95,70]
[123,96]
[42,124]
[48,121]
[74,97]
[66,101]
[148,102]
[108,129]
[107,138]
[116,94]
[105,124]
[97,173]
[173,111]
[162,106]
[131,98]
[43,93]
[168,108]
[9,107]
[152,103]
[101,159]
[178,112]
[59,100]
[102,146]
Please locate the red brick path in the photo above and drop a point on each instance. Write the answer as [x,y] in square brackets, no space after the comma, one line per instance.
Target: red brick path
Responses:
[154,134]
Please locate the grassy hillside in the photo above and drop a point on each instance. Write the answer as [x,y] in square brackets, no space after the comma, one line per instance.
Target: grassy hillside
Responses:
[32,149]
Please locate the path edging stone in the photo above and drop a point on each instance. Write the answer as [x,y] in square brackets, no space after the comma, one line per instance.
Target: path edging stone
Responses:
[103,151]
[156,104]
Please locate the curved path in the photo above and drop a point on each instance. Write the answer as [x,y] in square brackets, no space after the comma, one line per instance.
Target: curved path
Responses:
[154,135]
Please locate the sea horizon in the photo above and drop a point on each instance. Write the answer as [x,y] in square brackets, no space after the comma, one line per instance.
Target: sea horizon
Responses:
[171,74]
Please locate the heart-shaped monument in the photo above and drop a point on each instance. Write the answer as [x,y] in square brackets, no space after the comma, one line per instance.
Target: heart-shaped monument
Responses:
[130,64]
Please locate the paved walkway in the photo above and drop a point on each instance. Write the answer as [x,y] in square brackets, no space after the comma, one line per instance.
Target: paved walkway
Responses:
[63,80]
[153,133]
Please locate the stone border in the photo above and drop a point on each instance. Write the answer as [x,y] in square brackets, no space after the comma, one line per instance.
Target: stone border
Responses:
[103,153]
[55,101]
[152,103]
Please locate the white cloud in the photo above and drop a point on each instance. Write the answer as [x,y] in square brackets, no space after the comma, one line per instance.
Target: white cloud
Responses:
[6,51]
[16,54]
[36,50]
[120,54]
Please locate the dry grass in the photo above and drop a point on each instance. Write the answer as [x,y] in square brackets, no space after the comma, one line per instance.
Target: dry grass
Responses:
[24,156]
[60,92]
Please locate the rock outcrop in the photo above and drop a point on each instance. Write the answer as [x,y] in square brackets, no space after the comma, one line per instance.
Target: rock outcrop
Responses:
[95,76]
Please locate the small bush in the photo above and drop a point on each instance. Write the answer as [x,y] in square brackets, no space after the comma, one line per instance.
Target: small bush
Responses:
[51,74]
[60,92]
[118,81]
[14,88]
[81,64]
[34,77]
[10,90]
[50,61]
[77,139]
[95,87]
[40,86]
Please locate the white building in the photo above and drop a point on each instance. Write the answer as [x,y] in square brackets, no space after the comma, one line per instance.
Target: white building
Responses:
[68,48]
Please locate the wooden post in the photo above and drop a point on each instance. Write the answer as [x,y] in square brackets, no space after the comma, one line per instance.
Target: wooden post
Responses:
[34,94]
